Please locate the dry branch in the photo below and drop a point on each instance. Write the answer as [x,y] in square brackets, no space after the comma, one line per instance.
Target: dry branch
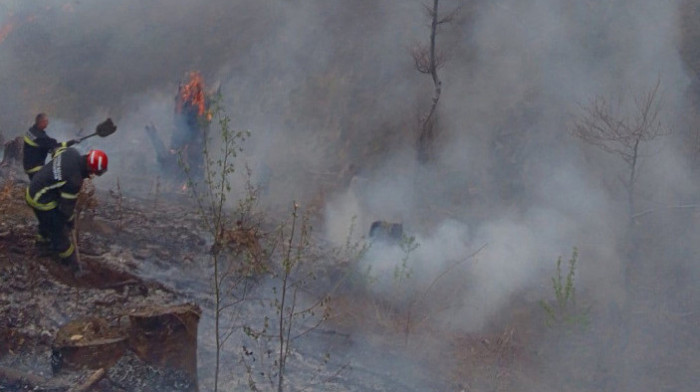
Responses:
[622,134]
[602,126]
[89,382]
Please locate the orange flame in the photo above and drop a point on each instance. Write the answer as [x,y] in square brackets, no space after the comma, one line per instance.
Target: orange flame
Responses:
[192,94]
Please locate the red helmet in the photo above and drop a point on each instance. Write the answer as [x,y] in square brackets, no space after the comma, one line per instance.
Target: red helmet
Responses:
[97,162]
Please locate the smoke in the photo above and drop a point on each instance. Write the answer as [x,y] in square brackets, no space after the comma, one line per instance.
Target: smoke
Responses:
[331,97]
[511,176]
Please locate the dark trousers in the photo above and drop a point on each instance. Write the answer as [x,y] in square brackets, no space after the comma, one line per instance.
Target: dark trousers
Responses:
[52,226]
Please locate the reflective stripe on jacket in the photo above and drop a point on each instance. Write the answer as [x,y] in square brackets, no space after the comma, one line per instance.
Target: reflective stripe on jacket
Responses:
[37,145]
[58,183]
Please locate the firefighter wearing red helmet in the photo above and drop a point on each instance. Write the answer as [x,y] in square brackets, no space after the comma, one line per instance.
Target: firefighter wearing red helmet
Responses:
[52,194]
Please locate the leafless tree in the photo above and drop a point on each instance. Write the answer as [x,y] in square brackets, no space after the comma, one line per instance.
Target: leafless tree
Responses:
[615,132]
[428,61]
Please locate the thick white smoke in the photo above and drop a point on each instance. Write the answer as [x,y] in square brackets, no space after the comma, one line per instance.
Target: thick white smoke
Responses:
[332,99]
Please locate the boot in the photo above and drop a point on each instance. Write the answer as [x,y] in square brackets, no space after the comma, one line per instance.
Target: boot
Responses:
[42,245]
[71,262]
[41,241]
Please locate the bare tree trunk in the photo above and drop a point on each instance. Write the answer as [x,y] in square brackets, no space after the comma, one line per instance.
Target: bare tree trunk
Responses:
[632,180]
[427,135]
[611,130]
[283,332]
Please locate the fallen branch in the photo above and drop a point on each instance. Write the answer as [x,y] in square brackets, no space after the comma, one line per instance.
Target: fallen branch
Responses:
[129,282]
[89,382]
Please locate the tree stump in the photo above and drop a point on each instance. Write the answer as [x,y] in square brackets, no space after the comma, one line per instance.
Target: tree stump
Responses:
[386,231]
[12,151]
[89,343]
[166,337]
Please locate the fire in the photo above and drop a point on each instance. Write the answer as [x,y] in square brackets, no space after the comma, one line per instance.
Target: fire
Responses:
[192,94]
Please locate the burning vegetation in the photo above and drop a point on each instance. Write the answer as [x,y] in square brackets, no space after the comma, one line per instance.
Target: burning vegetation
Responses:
[192,112]
[191,97]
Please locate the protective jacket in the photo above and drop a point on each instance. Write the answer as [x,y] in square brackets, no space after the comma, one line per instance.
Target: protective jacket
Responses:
[37,145]
[57,184]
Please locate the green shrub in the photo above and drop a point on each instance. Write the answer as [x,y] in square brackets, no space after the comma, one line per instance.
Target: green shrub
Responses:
[563,310]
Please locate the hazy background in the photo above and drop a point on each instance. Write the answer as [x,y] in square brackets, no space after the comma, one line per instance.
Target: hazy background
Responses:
[331,97]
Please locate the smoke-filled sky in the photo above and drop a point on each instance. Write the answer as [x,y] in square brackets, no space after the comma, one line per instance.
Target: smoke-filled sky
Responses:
[510,170]
[328,89]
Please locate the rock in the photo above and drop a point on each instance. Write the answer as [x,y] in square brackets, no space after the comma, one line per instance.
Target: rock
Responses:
[386,231]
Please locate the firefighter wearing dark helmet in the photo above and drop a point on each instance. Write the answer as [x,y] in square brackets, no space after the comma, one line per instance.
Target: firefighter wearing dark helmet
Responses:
[37,145]
[52,194]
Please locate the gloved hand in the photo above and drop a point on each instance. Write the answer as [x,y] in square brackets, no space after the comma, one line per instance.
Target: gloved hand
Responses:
[71,142]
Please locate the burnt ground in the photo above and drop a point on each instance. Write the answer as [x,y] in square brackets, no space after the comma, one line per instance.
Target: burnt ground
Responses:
[146,254]
[38,296]
[149,254]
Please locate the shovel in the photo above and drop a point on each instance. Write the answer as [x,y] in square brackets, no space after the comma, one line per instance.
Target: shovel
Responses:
[103,129]
[79,271]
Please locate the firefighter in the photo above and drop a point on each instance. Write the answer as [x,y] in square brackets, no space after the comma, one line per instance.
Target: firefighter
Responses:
[37,145]
[52,195]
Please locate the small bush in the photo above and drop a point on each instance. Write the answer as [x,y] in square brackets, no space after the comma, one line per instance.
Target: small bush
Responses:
[563,310]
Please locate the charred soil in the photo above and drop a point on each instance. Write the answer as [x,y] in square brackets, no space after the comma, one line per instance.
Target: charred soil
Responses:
[64,331]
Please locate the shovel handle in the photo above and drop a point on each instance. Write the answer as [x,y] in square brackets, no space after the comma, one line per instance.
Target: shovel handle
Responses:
[85,137]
